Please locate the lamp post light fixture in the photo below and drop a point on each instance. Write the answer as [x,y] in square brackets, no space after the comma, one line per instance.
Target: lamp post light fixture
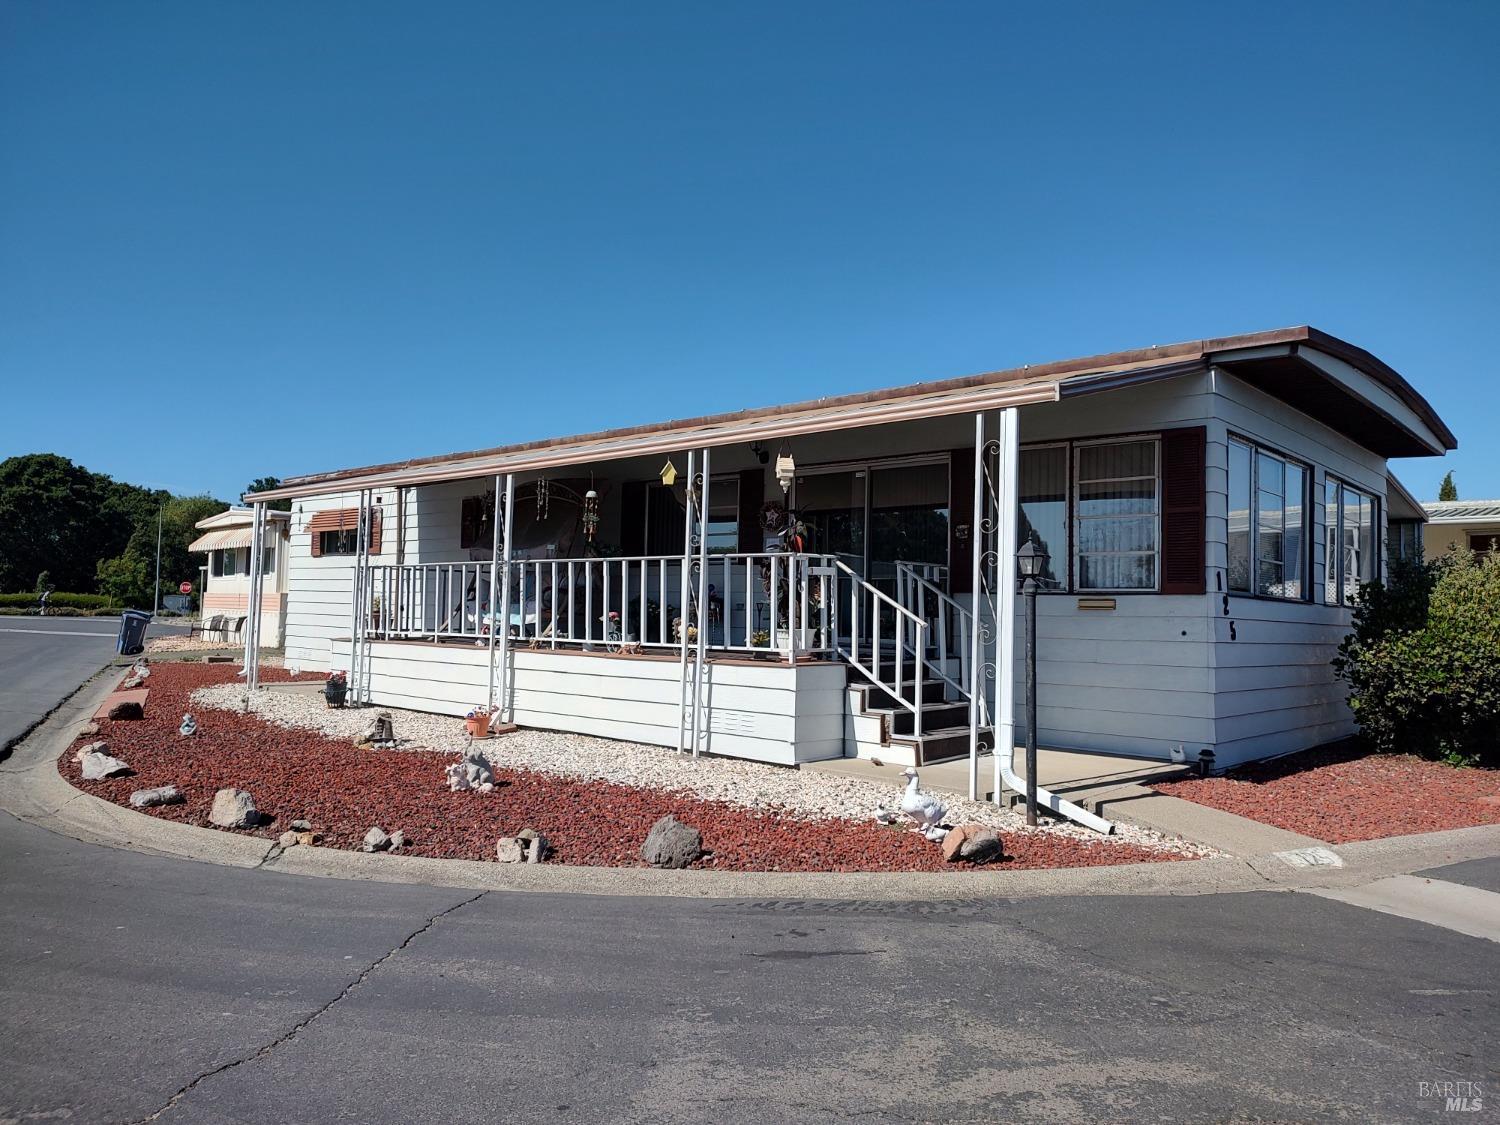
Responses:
[1031,562]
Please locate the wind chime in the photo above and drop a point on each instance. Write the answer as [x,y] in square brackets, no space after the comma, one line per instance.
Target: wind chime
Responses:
[590,511]
[543,499]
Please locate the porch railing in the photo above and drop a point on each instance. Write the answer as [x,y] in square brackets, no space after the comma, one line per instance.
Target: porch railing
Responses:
[756,603]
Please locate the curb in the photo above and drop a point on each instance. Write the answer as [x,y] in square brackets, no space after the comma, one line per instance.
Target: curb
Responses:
[33,791]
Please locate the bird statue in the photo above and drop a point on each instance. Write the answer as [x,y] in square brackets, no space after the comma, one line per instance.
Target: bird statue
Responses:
[189,726]
[923,809]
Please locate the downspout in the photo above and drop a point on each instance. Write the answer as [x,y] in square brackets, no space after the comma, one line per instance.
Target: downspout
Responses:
[1007,507]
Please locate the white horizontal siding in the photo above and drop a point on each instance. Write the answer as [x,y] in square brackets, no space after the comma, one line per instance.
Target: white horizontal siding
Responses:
[769,712]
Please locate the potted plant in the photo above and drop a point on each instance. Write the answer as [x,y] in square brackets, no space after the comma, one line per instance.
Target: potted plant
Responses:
[477,722]
[336,689]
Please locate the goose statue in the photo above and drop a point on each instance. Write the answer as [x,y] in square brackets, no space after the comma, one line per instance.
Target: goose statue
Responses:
[923,809]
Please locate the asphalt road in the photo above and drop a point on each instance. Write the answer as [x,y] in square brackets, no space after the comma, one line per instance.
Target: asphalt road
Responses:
[133,985]
[42,659]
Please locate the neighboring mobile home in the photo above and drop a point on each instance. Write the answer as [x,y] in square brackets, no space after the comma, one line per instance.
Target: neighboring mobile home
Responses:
[226,539]
[1208,510]
[1471,524]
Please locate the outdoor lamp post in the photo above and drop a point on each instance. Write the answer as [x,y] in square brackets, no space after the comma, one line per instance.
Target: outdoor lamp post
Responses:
[1031,561]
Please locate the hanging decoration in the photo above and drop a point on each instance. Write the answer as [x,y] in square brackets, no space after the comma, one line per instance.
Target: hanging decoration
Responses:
[590,512]
[543,499]
[786,469]
[669,473]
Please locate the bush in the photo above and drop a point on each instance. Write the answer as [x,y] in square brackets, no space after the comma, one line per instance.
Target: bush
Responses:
[1423,662]
[57,601]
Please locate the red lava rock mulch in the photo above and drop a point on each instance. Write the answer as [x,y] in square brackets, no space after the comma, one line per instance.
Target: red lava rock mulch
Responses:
[1343,793]
[342,790]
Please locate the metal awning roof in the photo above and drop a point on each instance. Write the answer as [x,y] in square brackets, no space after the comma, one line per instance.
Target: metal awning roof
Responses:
[221,540]
[1462,511]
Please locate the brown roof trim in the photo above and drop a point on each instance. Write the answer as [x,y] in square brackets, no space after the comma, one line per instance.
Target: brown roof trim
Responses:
[1057,372]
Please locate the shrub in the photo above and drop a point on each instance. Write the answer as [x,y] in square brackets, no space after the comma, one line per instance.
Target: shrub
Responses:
[57,601]
[1423,662]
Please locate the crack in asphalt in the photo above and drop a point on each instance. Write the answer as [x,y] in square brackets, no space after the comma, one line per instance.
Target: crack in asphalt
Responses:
[307,1021]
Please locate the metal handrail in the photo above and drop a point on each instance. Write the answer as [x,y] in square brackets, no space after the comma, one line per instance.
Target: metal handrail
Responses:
[906,620]
[906,573]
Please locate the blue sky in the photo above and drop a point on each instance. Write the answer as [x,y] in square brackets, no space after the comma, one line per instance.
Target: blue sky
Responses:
[404,229]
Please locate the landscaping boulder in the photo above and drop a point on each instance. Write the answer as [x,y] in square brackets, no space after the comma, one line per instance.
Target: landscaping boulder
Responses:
[97,766]
[88,730]
[161,795]
[536,847]
[302,826]
[508,849]
[233,808]
[954,841]
[981,845]
[376,840]
[671,843]
[126,710]
[396,842]
[287,840]
[189,726]
[308,839]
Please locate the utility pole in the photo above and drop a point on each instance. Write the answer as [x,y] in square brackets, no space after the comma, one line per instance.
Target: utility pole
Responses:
[156,595]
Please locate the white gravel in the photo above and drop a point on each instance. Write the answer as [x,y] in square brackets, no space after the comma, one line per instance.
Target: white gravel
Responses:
[747,784]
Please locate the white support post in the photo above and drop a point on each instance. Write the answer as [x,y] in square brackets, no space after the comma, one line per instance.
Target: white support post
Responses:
[682,609]
[698,665]
[1006,507]
[252,609]
[494,588]
[507,703]
[976,579]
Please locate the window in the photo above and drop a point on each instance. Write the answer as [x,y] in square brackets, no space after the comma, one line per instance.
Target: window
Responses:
[229,562]
[1044,508]
[1404,540]
[1349,537]
[1485,542]
[1267,522]
[338,542]
[268,560]
[723,526]
[1115,511]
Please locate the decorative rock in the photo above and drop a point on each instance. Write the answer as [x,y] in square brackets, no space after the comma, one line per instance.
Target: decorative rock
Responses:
[670,843]
[508,850]
[92,748]
[381,733]
[397,840]
[536,850]
[528,834]
[127,710]
[308,839]
[96,766]
[287,840]
[301,826]
[981,845]
[954,841]
[376,840]
[189,726]
[162,795]
[233,808]
[473,772]
[88,730]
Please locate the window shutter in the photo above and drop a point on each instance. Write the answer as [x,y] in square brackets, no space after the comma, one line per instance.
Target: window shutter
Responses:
[960,514]
[1184,510]
[342,519]
[752,496]
[633,518]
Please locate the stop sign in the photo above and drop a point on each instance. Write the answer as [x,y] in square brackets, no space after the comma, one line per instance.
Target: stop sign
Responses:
[185,588]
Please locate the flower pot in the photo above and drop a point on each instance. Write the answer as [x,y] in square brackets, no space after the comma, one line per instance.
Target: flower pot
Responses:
[478,726]
[334,692]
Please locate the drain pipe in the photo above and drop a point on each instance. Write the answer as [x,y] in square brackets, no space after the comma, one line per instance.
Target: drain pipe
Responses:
[1006,508]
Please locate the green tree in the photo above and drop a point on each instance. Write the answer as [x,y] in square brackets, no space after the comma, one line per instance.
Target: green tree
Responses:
[265,484]
[59,517]
[125,580]
[179,516]
[1448,490]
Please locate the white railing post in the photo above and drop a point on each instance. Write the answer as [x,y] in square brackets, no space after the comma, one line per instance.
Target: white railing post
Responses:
[682,639]
[494,589]
[506,704]
[699,670]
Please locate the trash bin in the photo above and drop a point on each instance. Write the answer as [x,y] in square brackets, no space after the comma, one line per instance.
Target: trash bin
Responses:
[132,640]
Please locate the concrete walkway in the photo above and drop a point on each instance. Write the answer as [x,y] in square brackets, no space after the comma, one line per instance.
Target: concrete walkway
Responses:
[1113,786]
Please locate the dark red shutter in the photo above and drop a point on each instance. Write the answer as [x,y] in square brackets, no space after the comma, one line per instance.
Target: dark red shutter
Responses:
[960,515]
[342,519]
[752,496]
[633,518]
[1184,510]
